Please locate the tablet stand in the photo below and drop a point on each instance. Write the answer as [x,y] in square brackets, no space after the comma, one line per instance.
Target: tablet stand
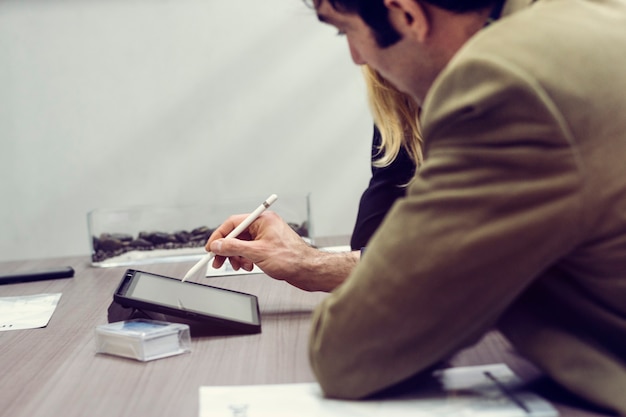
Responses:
[117,312]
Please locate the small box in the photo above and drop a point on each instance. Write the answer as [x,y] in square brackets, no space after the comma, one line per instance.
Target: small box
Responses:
[144,340]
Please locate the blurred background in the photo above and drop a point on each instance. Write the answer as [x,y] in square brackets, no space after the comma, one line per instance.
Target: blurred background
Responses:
[120,103]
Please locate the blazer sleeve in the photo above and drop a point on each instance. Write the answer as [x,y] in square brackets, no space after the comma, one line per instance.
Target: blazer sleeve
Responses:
[494,204]
[386,185]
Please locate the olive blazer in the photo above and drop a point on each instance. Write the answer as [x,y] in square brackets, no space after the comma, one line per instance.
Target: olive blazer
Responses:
[516,219]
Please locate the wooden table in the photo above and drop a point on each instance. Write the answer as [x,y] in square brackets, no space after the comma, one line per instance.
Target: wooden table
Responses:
[54,371]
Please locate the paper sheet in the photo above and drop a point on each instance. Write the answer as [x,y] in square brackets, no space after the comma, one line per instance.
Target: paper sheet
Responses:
[227,269]
[28,311]
[466,391]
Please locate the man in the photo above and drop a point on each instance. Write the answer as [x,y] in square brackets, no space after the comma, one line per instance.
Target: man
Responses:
[517,217]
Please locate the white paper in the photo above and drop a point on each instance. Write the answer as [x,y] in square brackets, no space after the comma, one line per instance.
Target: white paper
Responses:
[336,249]
[28,311]
[227,269]
[466,391]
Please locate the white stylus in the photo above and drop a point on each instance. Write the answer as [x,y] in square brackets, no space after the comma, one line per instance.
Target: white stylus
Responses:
[235,232]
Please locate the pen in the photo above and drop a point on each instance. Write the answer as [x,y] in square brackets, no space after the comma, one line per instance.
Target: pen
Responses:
[506,391]
[234,233]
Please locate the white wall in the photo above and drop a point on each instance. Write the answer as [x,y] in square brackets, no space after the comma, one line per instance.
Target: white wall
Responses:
[122,103]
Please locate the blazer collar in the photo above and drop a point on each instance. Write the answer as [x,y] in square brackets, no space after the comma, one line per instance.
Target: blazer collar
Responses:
[512,6]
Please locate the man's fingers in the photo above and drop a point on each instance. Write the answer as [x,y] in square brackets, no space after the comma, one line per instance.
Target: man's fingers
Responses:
[218,261]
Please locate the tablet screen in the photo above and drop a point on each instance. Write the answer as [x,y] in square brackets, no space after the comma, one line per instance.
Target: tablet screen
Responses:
[192,297]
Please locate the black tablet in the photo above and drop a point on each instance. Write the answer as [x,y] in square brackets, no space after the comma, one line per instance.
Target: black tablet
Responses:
[189,300]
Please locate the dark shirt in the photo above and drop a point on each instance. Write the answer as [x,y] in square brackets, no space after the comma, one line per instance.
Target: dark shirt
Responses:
[386,185]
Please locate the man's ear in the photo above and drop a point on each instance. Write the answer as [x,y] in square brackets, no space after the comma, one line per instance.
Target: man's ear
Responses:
[409,17]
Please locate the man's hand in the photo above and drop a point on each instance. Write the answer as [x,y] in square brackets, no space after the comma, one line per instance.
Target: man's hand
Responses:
[271,244]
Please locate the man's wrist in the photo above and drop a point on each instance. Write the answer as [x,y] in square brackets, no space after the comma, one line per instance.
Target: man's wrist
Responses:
[331,269]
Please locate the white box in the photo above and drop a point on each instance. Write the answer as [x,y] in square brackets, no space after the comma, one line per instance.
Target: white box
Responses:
[144,340]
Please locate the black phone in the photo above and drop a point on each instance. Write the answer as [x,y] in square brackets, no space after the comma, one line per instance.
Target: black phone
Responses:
[225,308]
[38,275]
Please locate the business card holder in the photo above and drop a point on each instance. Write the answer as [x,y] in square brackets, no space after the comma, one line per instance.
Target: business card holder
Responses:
[143,340]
